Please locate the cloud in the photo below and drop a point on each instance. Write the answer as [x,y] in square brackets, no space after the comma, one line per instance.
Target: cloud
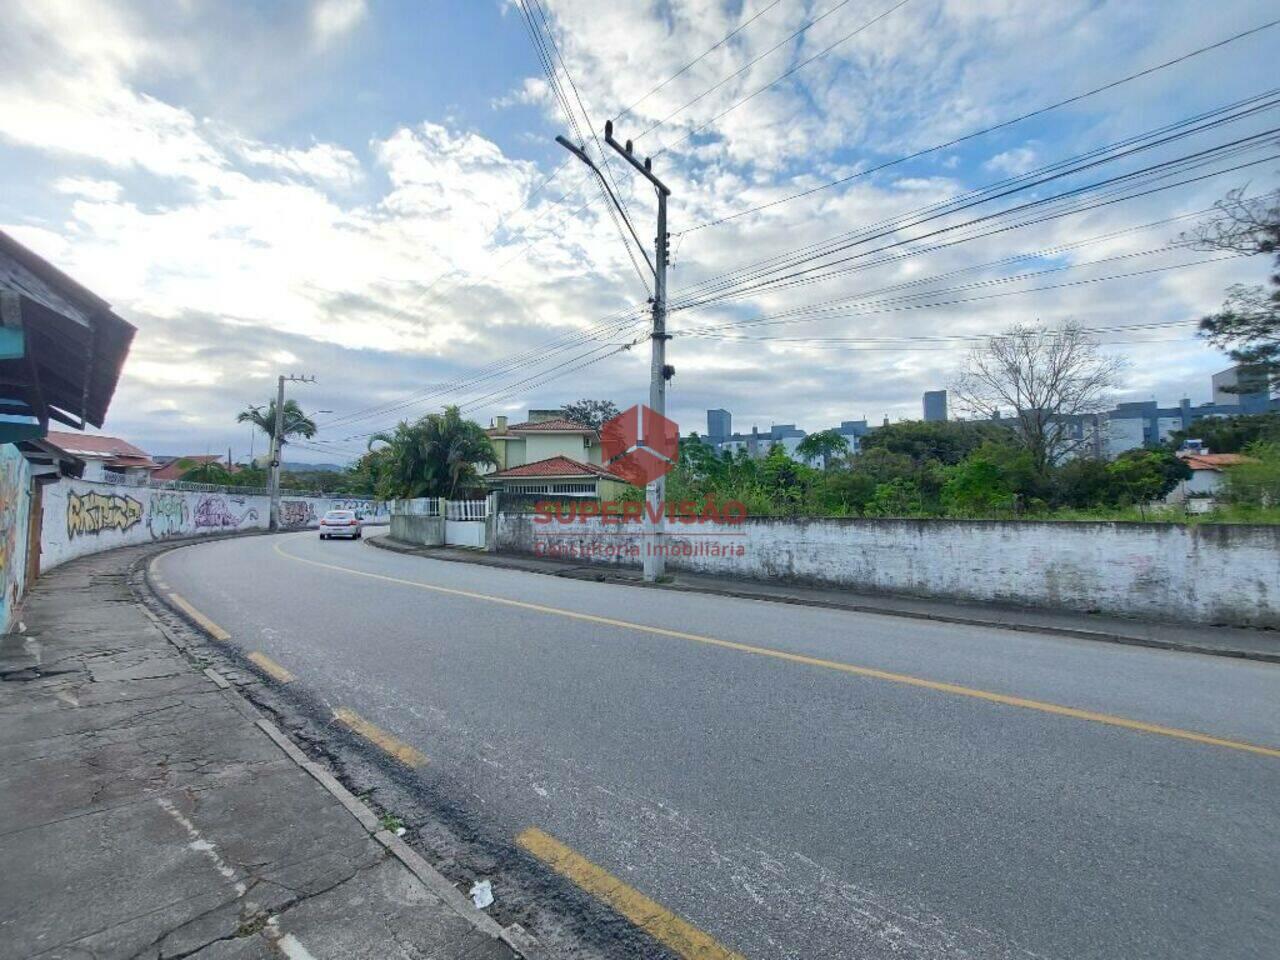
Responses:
[1014,162]
[417,253]
[332,19]
[88,188]
[532,90]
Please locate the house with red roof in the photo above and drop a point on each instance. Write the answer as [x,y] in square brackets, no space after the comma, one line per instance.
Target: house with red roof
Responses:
[549,454]
[101,454]
[1206,473]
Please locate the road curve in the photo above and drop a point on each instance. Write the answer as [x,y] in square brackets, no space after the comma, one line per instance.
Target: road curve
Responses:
[801,782]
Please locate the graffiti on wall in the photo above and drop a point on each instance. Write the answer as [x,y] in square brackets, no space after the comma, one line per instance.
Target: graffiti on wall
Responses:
[297,513]
[168,515]
[213,512]
[91,513]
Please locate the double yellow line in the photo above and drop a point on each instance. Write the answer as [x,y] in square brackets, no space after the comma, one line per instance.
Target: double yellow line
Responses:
[937,686]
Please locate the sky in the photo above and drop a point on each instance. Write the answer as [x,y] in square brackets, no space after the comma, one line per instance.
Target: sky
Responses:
[370,193]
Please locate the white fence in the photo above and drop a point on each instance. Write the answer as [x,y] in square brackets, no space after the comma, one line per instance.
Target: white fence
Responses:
[466,522]
[417,507]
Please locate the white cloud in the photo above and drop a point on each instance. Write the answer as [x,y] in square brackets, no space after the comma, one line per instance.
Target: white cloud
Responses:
[331,19]
[417,253]
[88,188]
[323,162]
[1014,162]
[532,90]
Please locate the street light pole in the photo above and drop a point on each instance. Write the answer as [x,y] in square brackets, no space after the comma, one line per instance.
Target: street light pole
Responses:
[659,373]
[276,442]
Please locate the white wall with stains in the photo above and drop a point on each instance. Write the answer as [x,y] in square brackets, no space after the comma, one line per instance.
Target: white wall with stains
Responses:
[1211,573]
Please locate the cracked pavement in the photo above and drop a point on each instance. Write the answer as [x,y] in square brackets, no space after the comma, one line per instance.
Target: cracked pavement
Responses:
[143,815]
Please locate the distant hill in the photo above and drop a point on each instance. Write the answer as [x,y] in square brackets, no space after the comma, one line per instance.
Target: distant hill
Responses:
[293,467]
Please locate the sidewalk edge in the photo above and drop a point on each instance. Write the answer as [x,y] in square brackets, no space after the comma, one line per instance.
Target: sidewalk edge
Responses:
[516,938]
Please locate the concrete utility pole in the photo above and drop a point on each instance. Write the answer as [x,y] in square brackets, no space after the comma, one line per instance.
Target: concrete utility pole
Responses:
[659,372]
[274,482]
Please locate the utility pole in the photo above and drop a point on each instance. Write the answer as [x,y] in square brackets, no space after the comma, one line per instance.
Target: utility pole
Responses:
[276,442]
[659,372]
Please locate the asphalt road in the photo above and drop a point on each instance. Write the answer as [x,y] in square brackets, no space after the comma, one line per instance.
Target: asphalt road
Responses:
[784,805]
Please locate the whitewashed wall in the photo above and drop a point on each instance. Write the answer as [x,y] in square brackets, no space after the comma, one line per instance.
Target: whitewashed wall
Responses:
[83,517]
[1212,573]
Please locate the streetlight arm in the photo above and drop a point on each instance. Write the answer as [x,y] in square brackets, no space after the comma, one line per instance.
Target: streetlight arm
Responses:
[581,155]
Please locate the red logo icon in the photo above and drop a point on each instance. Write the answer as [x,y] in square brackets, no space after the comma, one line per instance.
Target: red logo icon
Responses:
[640,445]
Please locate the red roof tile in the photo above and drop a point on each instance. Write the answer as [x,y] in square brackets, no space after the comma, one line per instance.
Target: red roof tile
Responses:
[112,449]
[1213,461]
[542,426]
[553,467]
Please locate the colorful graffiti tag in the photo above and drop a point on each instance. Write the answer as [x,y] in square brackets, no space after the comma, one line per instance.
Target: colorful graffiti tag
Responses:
[168,515]
[91,513]
[214,512]
[297,513]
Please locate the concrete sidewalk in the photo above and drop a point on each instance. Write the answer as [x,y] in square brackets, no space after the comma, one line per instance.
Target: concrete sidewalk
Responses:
[147,810]
[1187,637]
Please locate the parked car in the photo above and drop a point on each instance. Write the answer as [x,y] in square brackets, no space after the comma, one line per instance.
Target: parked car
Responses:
[340,523]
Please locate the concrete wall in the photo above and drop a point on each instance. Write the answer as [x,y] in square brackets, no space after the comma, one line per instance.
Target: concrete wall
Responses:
[15,518]
[413,528]
[82,517]
[1217,573]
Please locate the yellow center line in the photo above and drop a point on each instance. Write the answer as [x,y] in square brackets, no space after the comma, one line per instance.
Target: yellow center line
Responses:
[209,626]
[849,668]
[409,756]
[680,937]
[270,667]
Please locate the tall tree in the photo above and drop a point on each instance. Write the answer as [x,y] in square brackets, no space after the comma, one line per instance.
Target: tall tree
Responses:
[296,423]
[1248,325]
[435,456]
[590,413]
[825,446]
[1047,378]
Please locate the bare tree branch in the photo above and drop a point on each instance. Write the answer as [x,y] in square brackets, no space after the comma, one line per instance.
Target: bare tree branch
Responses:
[1049,380]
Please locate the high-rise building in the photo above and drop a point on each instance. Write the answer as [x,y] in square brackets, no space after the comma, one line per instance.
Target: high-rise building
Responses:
[719,425]
[1242,387]
[935,406]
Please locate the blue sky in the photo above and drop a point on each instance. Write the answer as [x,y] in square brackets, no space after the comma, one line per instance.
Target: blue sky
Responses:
[316,187]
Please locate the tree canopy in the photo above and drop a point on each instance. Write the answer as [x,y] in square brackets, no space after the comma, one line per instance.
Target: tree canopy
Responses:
[1044,378]
[1248,325]
[436,456]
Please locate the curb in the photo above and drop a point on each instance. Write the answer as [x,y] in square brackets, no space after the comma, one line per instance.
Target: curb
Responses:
[515,937]
[603,575]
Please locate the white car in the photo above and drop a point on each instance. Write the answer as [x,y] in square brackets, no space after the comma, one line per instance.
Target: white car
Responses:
[340,523]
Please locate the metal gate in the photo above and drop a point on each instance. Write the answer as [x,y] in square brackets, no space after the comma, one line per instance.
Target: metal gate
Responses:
[465,523]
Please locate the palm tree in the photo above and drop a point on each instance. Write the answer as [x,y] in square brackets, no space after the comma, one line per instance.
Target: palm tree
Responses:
[434,456]
[296,423]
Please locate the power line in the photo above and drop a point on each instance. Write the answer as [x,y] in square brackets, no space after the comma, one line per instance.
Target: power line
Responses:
[985,130]
[547,56]
[715,46]
[799,66]
[947,303]
[1031,178]
[748,283]
[822,248]
[818,19]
